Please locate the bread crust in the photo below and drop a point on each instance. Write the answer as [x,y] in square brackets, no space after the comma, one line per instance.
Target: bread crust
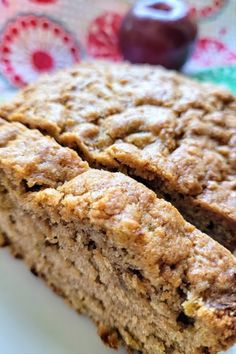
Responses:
[178,135]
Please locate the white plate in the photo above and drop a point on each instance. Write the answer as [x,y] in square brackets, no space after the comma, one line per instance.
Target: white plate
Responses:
[33,320]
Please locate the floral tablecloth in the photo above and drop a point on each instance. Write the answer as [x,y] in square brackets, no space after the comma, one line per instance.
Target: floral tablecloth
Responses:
[39,36]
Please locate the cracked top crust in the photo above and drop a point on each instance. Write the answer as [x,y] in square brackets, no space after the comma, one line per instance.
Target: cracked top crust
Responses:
[156,122]
[36,162]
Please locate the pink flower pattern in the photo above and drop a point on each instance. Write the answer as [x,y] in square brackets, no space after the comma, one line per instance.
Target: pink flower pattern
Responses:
[210,51]
[206,8]
[102,37]
[32,45]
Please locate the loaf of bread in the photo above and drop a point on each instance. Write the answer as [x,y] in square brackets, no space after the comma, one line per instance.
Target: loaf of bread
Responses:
[113,250]
[175,135]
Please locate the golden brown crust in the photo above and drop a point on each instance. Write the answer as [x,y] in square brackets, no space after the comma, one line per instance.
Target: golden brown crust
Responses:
[158,123]
[171,252]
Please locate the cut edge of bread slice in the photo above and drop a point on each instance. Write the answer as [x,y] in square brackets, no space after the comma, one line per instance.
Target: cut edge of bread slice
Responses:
[114,250]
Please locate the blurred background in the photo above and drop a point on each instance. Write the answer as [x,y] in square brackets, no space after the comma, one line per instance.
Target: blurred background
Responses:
[39,36]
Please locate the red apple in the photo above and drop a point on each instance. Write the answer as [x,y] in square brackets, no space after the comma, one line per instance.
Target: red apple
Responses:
[158,32]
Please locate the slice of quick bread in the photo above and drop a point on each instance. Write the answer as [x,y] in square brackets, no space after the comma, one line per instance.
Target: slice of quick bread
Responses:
[113,250]
[175,135]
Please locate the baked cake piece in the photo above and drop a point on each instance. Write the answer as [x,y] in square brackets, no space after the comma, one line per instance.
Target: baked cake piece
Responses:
[113,250]
[176,135]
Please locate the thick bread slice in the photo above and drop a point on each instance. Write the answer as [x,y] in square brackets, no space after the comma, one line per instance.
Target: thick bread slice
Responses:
[114,250]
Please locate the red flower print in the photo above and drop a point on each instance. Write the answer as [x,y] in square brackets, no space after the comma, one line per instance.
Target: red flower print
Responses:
[206,8]
[211,52]
[31,45]
[102,37]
